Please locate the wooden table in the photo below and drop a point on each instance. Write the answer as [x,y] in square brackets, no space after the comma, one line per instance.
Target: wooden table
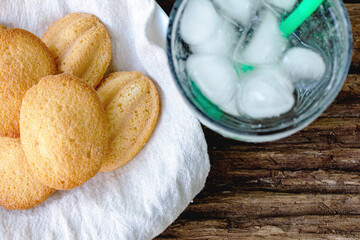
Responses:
[303,187]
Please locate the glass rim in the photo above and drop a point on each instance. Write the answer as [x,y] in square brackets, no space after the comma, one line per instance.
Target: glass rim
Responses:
[296,123]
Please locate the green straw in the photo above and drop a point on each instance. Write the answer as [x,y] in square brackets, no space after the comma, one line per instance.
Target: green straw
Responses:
[305,9]
[243,68]
[207,106]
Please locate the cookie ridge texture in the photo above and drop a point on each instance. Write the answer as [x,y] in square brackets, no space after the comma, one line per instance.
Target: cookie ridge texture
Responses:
[132,107]
[81,46]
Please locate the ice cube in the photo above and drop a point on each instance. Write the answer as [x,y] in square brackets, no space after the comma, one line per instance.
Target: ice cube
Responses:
[267,43]
[286,5]
[304,64]
[231,107]
[240,11]
[265,93]
[223,41]
[215,76]
[199,21]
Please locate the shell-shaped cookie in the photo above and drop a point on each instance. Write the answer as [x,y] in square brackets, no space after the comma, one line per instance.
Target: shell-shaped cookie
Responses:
[18,188]
[81,46]
[2,27]
[132,107]
[64,131]
[24,60]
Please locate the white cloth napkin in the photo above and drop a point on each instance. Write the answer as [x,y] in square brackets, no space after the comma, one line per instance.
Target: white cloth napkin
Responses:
[139,200]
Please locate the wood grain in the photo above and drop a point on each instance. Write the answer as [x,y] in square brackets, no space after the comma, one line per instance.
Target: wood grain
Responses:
[298,227]
[303,187]
[354,14]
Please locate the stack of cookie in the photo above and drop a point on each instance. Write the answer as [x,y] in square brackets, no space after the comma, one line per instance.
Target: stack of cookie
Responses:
[57,131]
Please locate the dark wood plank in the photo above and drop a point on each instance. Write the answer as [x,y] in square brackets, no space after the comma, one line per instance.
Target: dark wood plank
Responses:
[303,227]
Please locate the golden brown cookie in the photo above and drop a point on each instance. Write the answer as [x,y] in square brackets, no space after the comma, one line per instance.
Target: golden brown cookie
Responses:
[81,45]
[132,107]
[64,131]
[24,60]
[18,188]
[2,27]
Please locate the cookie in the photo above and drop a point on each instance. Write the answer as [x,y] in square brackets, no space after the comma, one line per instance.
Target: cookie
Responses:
[18,188]
[64,131]
[81,45]
[24,60]
[132,107]
[2,27]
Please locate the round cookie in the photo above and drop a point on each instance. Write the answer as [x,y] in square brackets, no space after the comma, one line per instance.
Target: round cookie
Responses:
[64,131]
[132,107]
[18,188]
[81,45]
[2,27]
[24,60]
